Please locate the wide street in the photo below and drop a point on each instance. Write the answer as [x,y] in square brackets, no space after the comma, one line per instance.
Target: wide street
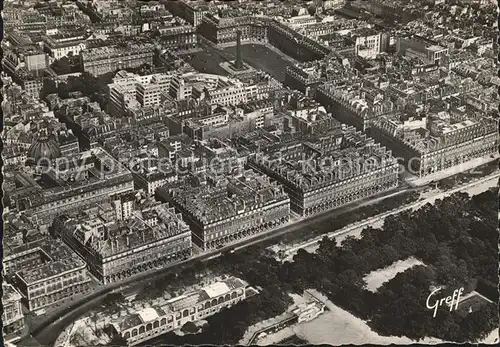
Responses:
[48,329]
[353,229]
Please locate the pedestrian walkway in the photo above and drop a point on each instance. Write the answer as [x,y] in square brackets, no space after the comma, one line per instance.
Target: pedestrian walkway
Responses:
[484,183]
[340,327]
[253,332]
[62,305]
[451,171]
[274,339]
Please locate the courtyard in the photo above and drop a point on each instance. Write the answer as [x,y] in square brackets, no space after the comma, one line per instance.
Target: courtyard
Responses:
[260,57]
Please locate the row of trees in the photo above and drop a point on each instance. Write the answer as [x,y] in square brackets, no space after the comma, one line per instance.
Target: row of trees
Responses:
[188,276]
[456,239]
[228,326]
[344,216]
[66,65]
[405,313]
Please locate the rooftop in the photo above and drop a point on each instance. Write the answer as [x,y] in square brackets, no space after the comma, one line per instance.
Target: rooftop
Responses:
[10,294]
[328,152]
[115,51]
[113,173]
[216,289]
[107,239]
[227,196]
[435,133]
[58,258]
[180,303]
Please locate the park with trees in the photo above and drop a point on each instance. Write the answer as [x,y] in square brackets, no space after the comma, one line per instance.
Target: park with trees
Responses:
[456,239]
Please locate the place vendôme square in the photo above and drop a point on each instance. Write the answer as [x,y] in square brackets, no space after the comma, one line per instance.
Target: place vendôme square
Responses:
[273,172]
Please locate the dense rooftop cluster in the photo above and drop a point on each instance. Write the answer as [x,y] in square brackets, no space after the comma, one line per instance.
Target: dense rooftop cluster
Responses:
[223,197]
[107,108]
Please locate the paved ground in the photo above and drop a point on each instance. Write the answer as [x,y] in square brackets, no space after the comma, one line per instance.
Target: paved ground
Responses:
[473,188]
[492,338]
[454,170]
[279,336]
[339,327]
[53,325]
[259,56]
[377,278]
[264,58]
[50,326]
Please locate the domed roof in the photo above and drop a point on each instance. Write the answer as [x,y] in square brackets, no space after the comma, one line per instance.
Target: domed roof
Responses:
[44,150]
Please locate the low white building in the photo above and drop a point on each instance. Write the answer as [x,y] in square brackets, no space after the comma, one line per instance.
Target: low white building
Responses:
[190,307]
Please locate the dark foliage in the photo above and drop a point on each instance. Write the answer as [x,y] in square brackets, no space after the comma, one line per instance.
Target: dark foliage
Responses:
[456,239]
[189,328]
[93,87]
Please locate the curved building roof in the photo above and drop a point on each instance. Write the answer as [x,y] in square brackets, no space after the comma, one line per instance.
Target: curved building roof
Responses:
[44,150]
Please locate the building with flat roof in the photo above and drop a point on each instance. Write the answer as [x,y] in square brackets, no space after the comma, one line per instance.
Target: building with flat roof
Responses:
[28,68]
[151,93]
[218,90]
[419,47]
[45,271]
[129,90]
[223,209]
[129,241]
[60,45]
[369,43]
[101,60]
[30,57]
[189,307]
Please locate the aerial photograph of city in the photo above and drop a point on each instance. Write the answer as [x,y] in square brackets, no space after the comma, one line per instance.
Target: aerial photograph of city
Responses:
[250,172]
